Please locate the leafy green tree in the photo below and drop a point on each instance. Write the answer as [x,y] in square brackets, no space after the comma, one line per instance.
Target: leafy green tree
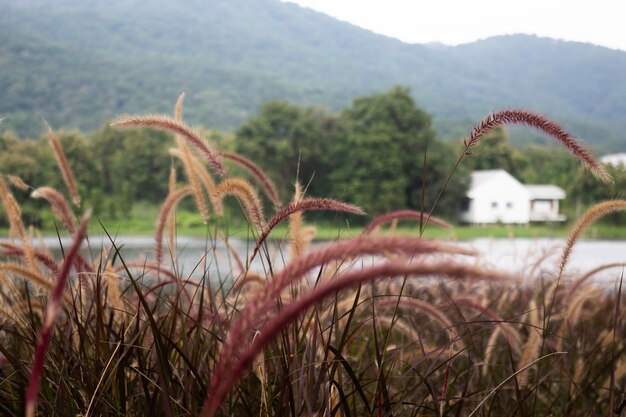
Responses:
[379,159]
[287,140]
[134,166]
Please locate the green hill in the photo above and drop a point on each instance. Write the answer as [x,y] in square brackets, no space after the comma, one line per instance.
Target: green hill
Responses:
[79,62]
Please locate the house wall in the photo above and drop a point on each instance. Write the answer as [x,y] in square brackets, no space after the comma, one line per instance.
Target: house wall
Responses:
[545,210]
[501,200]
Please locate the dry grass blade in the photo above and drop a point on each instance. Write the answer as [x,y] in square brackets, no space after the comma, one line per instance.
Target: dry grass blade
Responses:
[171,125]
[484,400]
[45,333]
[64,166]
[547,126]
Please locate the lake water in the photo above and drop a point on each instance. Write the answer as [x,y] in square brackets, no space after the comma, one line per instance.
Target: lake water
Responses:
[512,255]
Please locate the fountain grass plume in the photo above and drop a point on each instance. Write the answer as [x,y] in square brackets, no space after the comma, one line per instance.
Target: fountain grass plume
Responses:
[266,184]
[360,246]
[60,208]
[547,126]
[168,124]
[297,239]
[17,182]
[16,226]
[170,204]
[404,215]
[171,221]
[225,377]
[532,347]
[64,166]
[247,196]
[305,204]
[187,159]
[583,278]
[588,217]
[52,310]
[200,171]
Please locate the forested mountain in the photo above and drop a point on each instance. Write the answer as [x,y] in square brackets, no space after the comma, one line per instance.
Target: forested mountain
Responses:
[79,62]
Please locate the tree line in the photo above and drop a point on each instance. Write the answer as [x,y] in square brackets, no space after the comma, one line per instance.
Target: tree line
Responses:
[380,152]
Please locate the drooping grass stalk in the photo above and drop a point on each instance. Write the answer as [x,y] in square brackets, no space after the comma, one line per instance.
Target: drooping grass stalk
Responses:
[247,196]
[266,184]
[583,278]
[546,126]
[52,310]
[17,182]
[168,124]
[305,204]
[60,208]
[224,379]
[529,119]
[404,215]
[64,166]
[588,217]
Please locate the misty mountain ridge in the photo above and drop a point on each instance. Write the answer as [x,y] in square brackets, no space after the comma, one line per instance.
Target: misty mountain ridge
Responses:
[78,63]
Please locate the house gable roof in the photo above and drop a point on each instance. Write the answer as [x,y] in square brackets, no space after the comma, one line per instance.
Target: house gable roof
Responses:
[545,192]
[480,181]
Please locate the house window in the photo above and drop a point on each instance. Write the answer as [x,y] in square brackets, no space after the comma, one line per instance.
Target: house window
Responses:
[494,204]
[465,204]
[509,204]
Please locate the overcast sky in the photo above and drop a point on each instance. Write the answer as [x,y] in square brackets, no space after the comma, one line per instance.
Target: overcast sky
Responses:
[601,22]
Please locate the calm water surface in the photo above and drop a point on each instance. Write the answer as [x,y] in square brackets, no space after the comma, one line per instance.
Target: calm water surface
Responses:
[513,255]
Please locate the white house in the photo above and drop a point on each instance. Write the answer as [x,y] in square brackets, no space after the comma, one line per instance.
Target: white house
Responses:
[495,196]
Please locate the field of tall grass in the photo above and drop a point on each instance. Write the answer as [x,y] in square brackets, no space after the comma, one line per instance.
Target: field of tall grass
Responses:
[373,325]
